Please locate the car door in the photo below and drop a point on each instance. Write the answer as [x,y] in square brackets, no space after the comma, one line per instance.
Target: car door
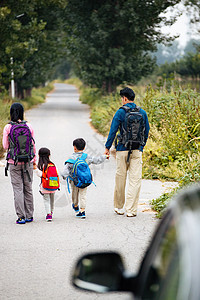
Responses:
[159,274]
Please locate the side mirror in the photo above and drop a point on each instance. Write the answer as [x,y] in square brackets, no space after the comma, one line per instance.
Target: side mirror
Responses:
[99,272]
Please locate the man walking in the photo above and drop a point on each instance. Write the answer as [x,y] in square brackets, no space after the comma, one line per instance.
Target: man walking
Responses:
[133,124]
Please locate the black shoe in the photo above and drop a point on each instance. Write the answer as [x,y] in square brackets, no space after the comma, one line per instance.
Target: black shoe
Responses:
[21,220]
[81,215]
[29,219]
[76,208]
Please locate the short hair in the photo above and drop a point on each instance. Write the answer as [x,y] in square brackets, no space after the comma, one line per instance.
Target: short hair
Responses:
[79,143]
[16,112]
[128,93]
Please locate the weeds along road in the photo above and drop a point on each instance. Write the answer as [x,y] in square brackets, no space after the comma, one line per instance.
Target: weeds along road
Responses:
[37,259]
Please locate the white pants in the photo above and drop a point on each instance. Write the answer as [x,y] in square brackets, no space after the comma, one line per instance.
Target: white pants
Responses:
[134,171]
[49,202]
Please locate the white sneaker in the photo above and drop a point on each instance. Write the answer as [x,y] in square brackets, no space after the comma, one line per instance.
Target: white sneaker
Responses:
[131,215]
[119,211]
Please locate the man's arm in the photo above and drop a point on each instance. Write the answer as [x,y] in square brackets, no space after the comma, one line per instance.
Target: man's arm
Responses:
[113,130]
[146,131]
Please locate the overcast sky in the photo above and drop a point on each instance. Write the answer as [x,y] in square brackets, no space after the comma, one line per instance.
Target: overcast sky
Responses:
[182,27]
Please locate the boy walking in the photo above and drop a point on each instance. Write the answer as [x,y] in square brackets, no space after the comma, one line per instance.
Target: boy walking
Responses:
[79,193]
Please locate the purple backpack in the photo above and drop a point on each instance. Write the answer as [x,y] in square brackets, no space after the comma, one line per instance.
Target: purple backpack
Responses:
[20,143]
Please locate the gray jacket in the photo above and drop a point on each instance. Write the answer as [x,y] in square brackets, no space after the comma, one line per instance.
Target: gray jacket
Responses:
[90,160]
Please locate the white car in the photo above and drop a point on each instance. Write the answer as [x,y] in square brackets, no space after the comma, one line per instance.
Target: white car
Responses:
[170,269]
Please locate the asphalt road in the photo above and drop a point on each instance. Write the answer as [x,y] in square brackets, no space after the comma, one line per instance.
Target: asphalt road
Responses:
[36,259]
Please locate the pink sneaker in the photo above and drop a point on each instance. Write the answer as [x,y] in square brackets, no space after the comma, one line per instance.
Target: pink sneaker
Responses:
[49,217]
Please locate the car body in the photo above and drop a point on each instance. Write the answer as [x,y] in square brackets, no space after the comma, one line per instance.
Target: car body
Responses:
[170,269]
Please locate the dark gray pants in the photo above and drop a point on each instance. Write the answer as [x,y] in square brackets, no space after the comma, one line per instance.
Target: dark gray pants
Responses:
[22,189]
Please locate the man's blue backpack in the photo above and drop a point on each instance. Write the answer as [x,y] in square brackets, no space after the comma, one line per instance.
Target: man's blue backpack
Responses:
[81,174]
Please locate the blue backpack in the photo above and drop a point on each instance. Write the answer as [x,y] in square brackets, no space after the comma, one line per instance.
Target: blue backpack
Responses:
[81,174]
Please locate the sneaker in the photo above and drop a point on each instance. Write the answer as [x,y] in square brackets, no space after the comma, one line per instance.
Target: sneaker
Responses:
[81,215]
[21,220]
[49,217]
[29,219]
[75,208]
[119,211]
[131,215]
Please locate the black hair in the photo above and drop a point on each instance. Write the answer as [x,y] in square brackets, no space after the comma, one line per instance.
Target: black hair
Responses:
[128,93]
[79,144]
[43,162]
[16,112]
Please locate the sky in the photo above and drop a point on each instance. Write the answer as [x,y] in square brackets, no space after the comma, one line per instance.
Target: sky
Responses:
[182,27]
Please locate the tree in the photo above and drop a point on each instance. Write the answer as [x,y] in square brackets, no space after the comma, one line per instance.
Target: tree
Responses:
[109,41]
[192,46]
[31,33]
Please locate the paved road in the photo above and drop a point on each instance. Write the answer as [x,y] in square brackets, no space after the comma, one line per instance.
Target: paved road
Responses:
[36,259]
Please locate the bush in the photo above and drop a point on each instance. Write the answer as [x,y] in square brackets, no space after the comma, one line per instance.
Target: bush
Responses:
[175,130]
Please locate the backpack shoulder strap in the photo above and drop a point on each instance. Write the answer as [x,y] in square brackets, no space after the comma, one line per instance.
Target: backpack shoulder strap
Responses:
[84,156]
[127,108]
[12,123]
[70,161]
[50,165]
[16,123]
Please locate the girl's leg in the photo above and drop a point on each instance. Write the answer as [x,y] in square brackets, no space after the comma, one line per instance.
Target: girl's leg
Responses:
[17,184]
[52,197]
[47,204]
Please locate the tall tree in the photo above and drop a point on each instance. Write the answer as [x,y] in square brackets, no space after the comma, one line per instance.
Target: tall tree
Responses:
[109,41]
[30,33]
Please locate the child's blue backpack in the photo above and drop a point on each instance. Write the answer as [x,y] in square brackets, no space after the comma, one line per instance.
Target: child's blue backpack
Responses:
[81,174]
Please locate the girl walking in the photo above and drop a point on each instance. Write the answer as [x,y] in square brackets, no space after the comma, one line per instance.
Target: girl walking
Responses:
[49,181]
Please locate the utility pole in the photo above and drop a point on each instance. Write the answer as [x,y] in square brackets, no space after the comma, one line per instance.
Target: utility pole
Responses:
[12,79]
[12,71]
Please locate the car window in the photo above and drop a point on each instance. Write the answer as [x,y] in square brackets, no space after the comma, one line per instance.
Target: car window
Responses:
[162,280]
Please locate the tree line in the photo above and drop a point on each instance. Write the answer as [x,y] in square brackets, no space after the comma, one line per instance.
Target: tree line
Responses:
[187,66]
[106,42]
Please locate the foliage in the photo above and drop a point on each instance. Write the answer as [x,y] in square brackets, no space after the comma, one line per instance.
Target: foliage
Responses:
[30,33]
[159,204]
[191,175]
[175,119]
[109,42]
[187,66]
